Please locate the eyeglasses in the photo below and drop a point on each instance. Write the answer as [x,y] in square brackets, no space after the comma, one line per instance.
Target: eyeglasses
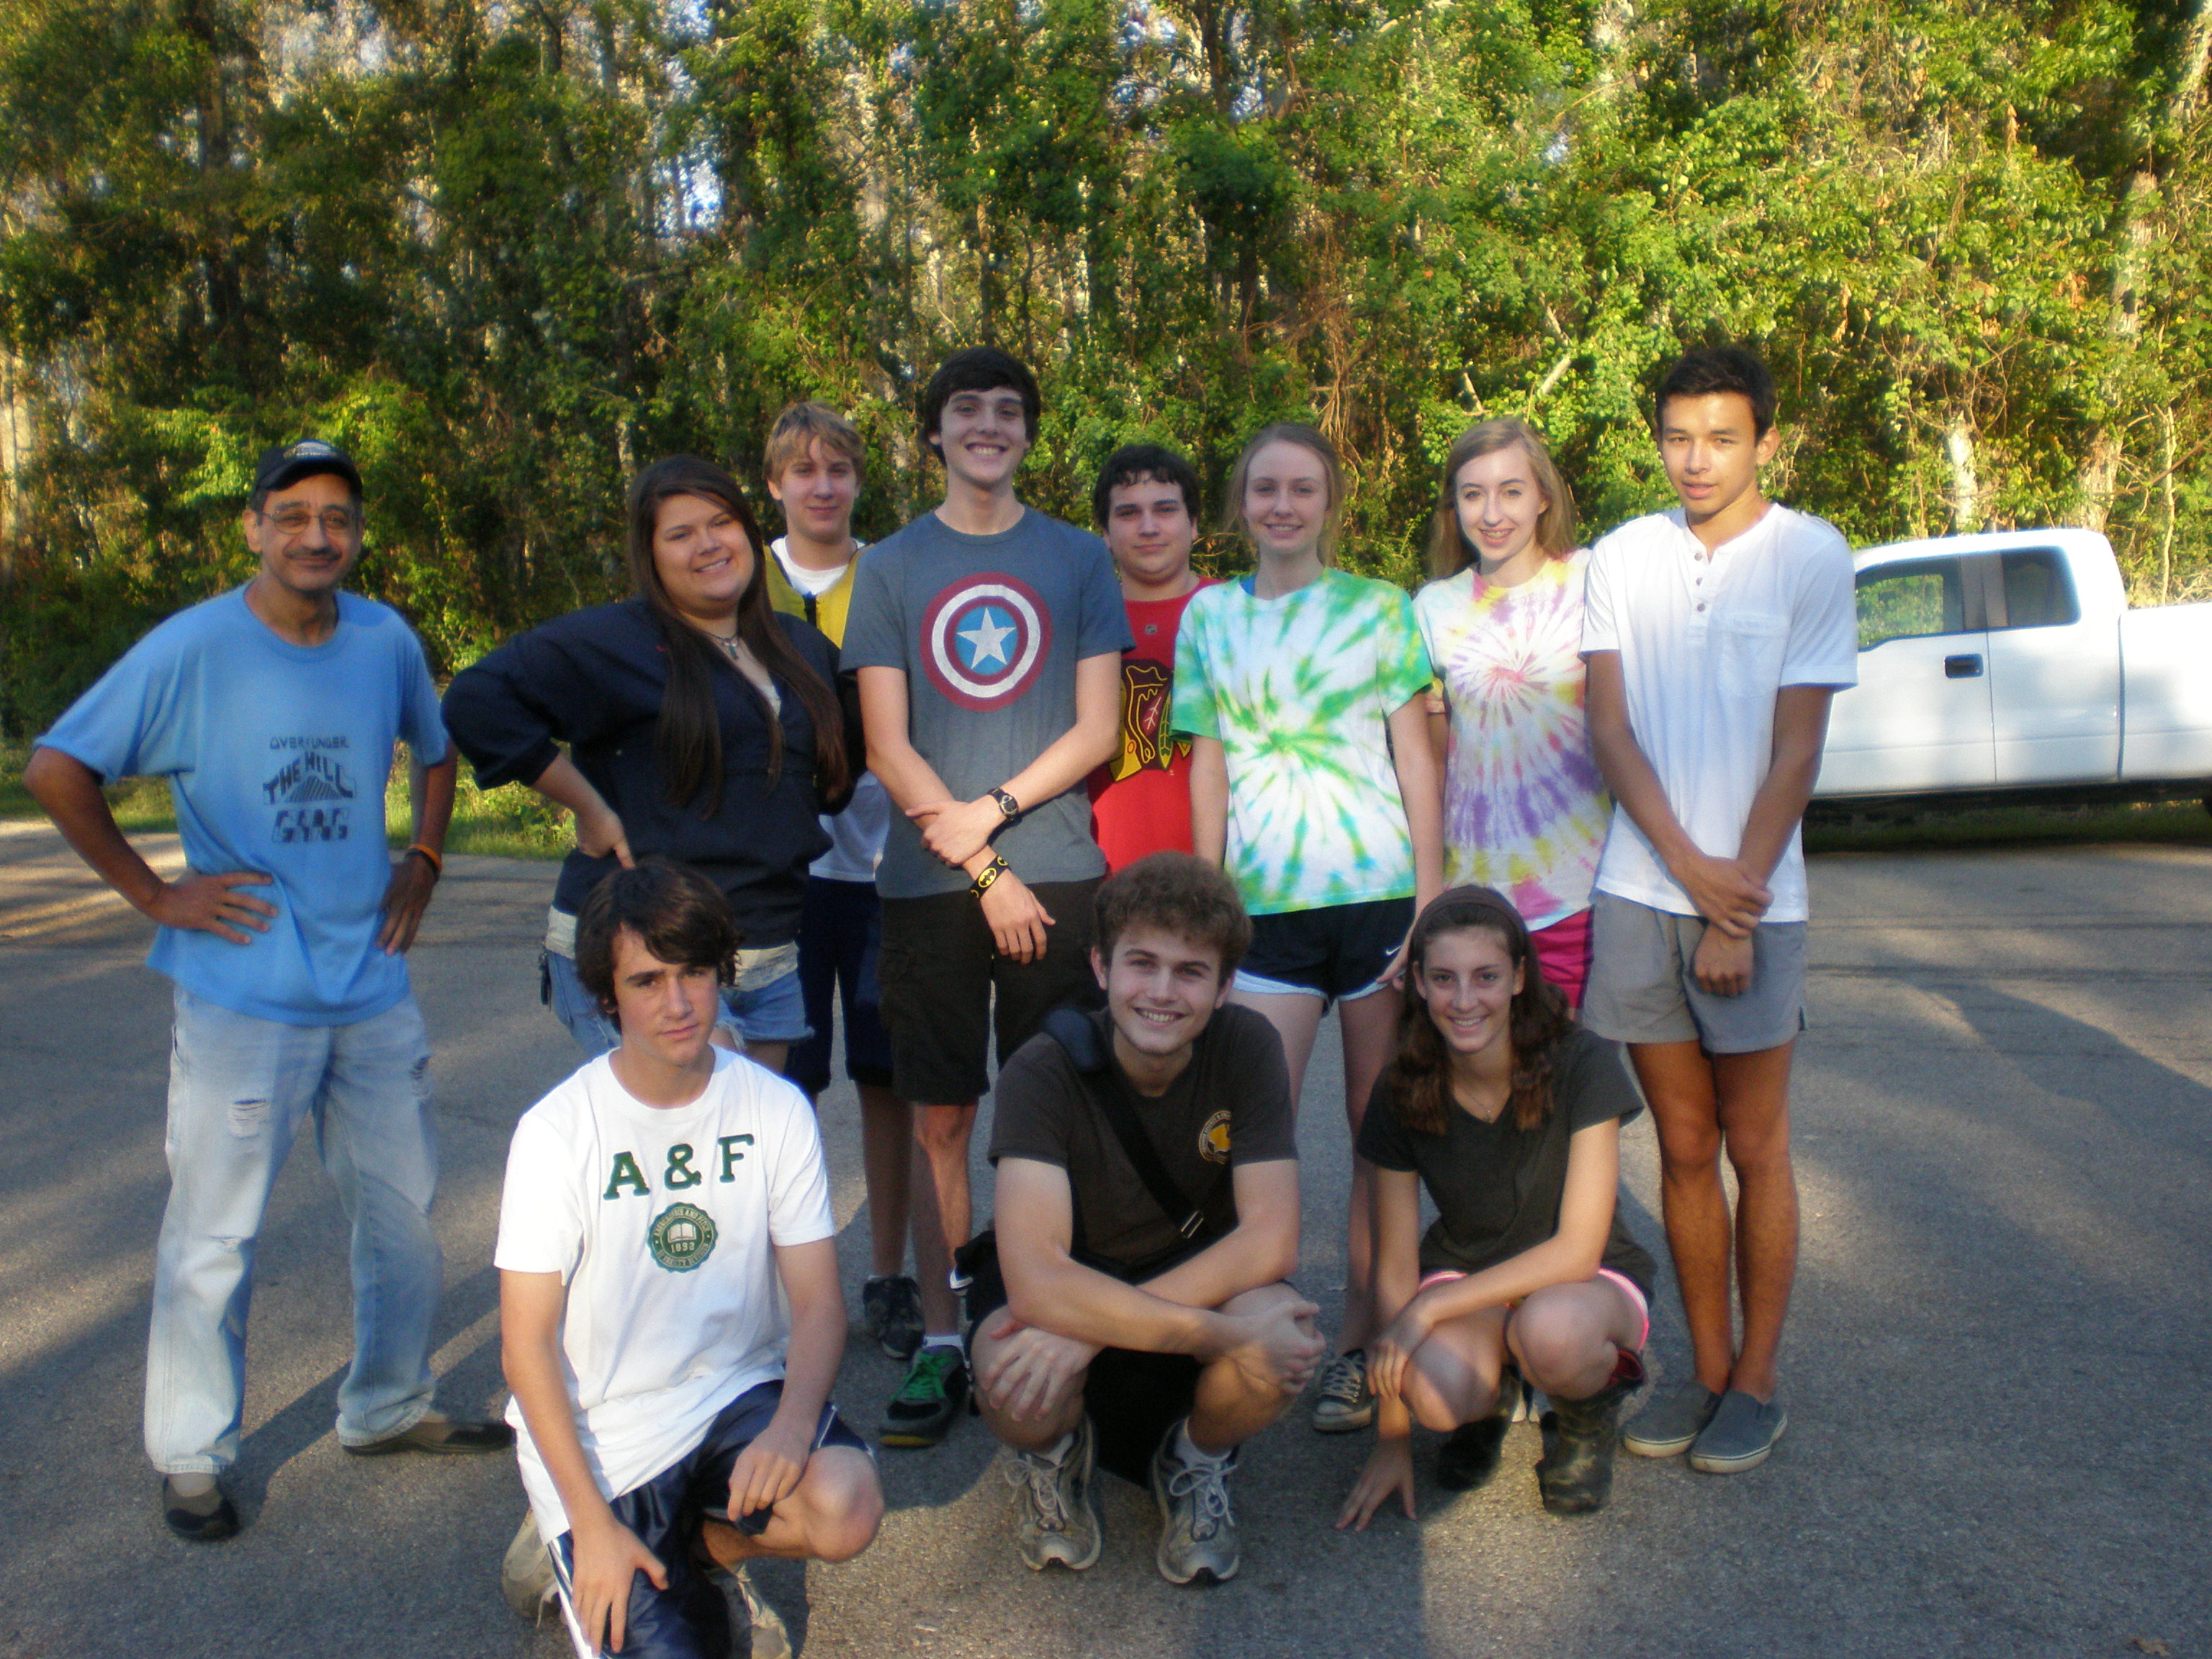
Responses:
[338,522]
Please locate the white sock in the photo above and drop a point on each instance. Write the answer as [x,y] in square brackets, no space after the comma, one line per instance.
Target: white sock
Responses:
[1057,1454]
[1186,1451]
[953,1341]
[192,1485]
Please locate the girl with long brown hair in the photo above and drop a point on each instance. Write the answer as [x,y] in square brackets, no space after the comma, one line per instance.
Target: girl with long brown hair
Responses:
[1525,810]
[699,724]
[1511,1117]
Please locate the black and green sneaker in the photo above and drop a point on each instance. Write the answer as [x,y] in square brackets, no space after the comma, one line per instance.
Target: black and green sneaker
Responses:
[923,1411]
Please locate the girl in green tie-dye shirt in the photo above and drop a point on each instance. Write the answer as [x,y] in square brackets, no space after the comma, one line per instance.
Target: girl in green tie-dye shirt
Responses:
[1303,688]
[1525,810]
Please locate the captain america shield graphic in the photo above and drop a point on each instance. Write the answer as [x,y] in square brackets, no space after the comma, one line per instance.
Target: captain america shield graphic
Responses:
[983,640]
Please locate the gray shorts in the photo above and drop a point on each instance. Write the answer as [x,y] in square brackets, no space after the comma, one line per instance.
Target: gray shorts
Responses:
[1641,988]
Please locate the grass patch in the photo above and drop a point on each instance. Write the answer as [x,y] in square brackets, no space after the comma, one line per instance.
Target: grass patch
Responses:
[512,822]
[1897,829]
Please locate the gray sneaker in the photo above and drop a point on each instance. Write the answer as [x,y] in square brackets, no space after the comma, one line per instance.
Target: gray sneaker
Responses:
[1342,1400]
[1056,1516]
[1198,1533]
[1667,1426]
[525,1576]
[1740,1435]
[770,1640]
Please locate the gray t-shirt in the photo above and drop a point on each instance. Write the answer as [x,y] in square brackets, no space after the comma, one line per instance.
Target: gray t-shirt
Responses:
[987,630]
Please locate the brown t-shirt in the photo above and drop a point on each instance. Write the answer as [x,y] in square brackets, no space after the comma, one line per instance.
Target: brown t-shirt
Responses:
[1231,1105]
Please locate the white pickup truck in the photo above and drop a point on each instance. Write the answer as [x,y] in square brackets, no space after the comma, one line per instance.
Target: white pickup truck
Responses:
[2011,663]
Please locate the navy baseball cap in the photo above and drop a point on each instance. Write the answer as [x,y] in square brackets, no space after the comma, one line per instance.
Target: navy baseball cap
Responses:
[303,458]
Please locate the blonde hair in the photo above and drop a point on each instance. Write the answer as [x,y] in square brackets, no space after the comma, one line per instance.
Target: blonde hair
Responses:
[1306,437]
[797,428]
[1449,551]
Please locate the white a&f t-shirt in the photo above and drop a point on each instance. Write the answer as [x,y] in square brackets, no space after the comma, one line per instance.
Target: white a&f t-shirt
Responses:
[1705,640]
[660,1222]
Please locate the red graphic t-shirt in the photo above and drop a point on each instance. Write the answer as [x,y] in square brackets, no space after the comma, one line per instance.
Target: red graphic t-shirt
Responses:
[1140,799]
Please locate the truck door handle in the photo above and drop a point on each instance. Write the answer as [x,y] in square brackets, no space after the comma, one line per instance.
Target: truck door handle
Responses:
[1967,667]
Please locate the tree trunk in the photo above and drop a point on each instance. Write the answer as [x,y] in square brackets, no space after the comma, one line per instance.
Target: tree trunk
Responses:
[1966,492]
[14,436]
[2098,477]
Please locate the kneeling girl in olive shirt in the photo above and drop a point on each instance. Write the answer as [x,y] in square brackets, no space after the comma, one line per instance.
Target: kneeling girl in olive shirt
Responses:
[1135,1316]
[1511,1117]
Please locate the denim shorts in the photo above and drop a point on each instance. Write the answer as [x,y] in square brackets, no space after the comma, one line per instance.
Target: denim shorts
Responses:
[769,1009]
[841,935]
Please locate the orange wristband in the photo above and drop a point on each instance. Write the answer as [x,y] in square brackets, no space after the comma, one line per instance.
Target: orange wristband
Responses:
[429,857]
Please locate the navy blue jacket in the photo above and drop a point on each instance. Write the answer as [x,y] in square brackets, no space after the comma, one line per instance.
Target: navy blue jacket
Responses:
[594,680]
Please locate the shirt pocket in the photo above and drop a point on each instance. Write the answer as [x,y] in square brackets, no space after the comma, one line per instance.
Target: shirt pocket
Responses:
[1750,647]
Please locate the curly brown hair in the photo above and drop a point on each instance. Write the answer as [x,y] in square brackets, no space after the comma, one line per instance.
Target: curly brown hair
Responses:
[1419,1075]
[1179,893]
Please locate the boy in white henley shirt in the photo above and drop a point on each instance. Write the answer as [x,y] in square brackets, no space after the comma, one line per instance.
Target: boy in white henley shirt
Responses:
[1716,635]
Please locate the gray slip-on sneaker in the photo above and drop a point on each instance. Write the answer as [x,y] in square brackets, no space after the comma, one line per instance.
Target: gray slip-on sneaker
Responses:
[1740,1437]
[1671,1424]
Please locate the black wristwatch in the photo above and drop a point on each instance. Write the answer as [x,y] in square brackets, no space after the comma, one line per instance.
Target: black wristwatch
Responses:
[1007,805]
[989,875]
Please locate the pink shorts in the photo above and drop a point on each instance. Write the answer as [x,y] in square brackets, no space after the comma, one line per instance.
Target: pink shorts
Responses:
[1445,1275]
[1563,952]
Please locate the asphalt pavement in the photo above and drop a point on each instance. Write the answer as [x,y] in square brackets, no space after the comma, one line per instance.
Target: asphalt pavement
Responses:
[1996,1367]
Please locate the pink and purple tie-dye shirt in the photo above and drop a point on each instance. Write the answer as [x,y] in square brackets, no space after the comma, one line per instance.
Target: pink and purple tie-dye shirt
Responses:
[1525,810]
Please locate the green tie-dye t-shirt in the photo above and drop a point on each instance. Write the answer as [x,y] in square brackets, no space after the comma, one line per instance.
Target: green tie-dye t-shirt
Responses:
[1299,691]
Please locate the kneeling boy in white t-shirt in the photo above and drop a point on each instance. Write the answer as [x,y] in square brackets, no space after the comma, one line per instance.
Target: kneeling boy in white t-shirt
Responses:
[673,1422]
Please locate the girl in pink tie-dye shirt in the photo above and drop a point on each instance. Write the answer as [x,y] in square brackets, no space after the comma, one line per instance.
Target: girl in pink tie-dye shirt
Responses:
[1525,810]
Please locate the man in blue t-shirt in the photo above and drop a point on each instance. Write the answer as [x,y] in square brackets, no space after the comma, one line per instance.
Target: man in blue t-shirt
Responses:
[273,711]
[988,641]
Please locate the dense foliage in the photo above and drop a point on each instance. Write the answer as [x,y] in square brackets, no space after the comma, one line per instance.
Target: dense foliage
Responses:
[508,251]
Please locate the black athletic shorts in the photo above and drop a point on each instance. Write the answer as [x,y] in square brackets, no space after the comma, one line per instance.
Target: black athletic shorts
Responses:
[1337,952]
[1133,1398]
[944,986]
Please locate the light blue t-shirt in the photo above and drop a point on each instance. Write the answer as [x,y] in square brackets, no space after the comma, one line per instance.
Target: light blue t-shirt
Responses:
[277,756]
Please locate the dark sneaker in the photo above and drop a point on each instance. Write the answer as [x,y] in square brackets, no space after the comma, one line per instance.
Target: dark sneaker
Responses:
[890,1308]
[922,1413]
[206,1517]
[1057,1516]
[1668,1427]
[1740,1435]
[1470,1454]
[526,1575]
[1342,1401]
[1198,1532]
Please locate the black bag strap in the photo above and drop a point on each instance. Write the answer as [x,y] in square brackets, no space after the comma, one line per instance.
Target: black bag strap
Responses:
[1075,1033]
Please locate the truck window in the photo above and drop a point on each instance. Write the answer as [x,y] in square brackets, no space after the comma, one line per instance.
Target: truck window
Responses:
[2039,592]
[1909,600]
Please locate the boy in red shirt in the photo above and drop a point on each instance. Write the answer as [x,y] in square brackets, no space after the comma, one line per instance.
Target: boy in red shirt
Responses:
[1145,503]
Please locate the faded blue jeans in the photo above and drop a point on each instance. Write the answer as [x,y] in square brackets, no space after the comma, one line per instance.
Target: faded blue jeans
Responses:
[240,1089]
